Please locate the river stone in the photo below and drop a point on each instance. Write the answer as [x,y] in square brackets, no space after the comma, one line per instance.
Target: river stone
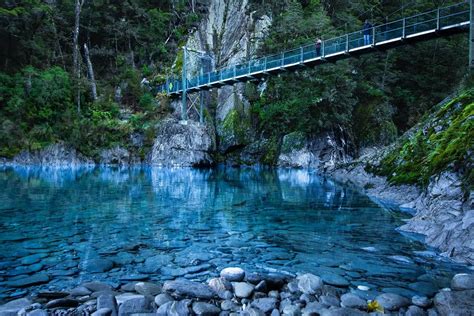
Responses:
[313,308]
[180,308]
[228,305]
[291,310]
[220,285]
[97,286]
[102,312]
[189,289]
[463,281]
[147,288]
[140,304]
[35,279]
[252,312]
[33,258]
[62,302]
[52,295]
[266,304]
[454,302]
[421,301]
[80,291]
[162,299]
[107,301]
[242,289]
[391,301]
[205,309]
[350,300]
[135,277]
[309,283]
[261,287]
[13,307]
[330,300]
[415,311]
[25,270]
[342,311]
[233,274]
[98,265]
[37,312]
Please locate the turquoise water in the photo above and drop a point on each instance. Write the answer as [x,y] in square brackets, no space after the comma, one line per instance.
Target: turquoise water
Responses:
[68,226]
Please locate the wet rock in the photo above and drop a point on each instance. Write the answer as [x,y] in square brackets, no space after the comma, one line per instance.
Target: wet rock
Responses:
[135,305]
[233,274]
[35,279]
[275,280]
[189,289]
[421,301]
[242,289]
[128,287]
[134,277]
[350,300]
[261,287]
[253,278]
[13,307]
[265,304]
[313,308]
[162,299]
[220,285]
[291,310]
[463,281]
[415,311]
[275,312]
[391,301]
[38,312]
[98,265]
[329,300]
[97,286]
[335,279]
[80,291]
[52,295]
[62,302]
[342,311]
[102,312]
[310,284]
[107,301]
[31,259]
[125,297]
[454,302]
[228,305]
[252,312]
[25,270]
[205,309]
[180,308]
[147,288]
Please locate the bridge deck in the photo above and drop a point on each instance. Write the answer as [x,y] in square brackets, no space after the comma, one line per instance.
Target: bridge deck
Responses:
[439,22]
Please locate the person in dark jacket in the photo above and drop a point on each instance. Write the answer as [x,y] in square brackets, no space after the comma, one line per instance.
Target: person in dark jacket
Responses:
[318,47]
[367,31]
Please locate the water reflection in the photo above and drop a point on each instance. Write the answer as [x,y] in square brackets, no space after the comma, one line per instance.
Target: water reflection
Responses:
[261,219]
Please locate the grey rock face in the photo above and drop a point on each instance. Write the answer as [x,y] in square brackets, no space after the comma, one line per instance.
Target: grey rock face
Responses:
[116,156]
[322,152]
[53,155]
[182,145]
[309,283]
[189,289]
[463,281]
[454,302]
[391,301]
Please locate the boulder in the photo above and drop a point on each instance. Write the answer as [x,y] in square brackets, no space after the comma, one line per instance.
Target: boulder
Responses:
[233,274]
[463,281]
[454,302]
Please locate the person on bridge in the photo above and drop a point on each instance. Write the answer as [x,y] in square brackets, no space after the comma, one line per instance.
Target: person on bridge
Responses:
[367,31]
[319,42]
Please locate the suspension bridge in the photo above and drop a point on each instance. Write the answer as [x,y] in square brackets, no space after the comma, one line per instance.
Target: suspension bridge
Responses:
[443,21]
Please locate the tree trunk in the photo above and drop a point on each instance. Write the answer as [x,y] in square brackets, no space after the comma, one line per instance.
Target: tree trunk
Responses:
[90,71]
[75,54]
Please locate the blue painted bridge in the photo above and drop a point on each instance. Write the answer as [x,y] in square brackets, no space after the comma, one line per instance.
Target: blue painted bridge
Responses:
[439,22]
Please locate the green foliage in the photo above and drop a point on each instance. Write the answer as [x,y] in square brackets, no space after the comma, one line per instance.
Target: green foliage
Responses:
[445,140]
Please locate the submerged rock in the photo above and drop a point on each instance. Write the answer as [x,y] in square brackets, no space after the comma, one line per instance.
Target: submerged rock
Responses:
[310,284]
[189,289]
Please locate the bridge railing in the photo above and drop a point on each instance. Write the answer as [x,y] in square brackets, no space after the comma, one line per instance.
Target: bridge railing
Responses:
[396,30]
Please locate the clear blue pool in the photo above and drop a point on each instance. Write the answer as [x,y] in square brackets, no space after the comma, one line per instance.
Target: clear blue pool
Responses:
[64,227]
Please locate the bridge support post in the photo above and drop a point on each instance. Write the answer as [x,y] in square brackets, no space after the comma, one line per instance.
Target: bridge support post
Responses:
[471,35]
[184,100]
[201,106]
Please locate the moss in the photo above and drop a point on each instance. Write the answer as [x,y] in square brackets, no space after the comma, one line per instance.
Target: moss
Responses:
[237,124]
[271,151]
[293,141]
[446,140]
